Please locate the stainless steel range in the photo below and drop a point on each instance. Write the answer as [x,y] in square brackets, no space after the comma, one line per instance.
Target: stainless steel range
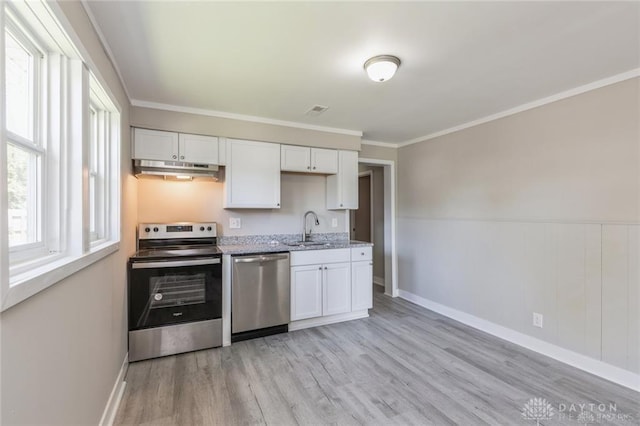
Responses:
[175,290]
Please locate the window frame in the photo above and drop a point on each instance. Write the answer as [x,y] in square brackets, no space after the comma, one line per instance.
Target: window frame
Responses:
[34,146]
[102,172]
[66,70]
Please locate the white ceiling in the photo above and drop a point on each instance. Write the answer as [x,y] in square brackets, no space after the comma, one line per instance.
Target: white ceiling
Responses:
[461,61]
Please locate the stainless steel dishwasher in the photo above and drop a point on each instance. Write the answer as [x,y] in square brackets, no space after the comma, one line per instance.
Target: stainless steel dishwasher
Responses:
[260,295]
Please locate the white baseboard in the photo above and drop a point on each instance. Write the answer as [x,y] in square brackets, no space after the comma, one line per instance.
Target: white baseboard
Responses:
[109,414]
[378,281]
[332,319]
[602,369]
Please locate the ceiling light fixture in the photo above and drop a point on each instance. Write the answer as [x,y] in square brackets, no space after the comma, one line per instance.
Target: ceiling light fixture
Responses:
[382,67]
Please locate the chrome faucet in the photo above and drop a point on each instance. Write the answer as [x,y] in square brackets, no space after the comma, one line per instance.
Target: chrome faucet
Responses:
[305,236]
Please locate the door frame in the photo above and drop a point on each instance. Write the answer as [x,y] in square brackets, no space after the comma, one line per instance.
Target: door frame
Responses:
[391,254]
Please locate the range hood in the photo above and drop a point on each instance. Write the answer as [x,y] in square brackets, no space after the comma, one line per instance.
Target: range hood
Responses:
[174,169]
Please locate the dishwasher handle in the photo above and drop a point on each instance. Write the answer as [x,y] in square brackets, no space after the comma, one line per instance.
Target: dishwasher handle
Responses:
[261,258]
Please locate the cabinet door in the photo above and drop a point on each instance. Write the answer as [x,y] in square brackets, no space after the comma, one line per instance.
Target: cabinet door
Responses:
[306,292]
[342,188]
[295,158]
[324,161]
[252,175]
[361,285]
[336,288]
[155,145]
[198,149]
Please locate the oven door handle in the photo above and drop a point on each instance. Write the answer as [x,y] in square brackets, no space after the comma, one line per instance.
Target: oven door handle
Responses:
[175,264]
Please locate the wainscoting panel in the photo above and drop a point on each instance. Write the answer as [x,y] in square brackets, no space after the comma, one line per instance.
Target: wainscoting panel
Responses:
[615,294]
[583,279]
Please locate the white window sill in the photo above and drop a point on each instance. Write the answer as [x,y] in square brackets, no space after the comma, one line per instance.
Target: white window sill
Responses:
[24,285]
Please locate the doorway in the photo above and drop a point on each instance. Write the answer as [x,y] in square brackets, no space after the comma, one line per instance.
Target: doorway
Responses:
[362,219]
[381,199]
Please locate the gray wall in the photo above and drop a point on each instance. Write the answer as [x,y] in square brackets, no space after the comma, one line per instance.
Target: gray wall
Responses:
[62,349]
[215,126]
[378,152]
[535,212]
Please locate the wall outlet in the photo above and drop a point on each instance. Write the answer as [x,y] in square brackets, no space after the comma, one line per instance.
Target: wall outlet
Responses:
[334,223]
[537,320]
[235,223]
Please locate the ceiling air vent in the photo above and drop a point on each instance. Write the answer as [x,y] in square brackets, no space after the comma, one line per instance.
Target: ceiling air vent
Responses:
[316,110]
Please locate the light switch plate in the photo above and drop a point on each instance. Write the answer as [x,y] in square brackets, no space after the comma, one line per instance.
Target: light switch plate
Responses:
[235,223]
[334,223]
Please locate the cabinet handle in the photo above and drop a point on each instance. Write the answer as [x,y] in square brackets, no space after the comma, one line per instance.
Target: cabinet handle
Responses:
[309,167]
[314,168]
[175,156]
[182,157]
[320,268]
[325,268]
[278,204]
[362,254]
[340,205]
[371,263]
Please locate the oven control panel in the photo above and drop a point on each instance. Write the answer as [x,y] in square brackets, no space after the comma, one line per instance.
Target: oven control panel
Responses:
[147,231]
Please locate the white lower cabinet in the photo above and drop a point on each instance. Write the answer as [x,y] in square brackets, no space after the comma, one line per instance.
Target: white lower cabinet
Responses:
[326,283]
[361,278]
[320,283]
[336,288]
[318,290]
[306,292]
[362,285]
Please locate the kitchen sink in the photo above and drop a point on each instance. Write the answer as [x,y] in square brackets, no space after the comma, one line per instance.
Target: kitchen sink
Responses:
[307,243]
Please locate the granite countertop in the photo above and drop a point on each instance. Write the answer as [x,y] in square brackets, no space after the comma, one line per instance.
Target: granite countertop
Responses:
[282,246]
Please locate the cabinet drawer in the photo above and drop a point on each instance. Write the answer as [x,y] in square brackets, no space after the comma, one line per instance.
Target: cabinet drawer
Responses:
[361,253]
[311,257]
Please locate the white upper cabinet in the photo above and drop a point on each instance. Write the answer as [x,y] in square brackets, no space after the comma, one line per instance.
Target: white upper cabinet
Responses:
[171,146]
[342,188]
[198,149]
[155,145]
[295,158]
[324,161]
[308,160]
[252,175]
[222,151]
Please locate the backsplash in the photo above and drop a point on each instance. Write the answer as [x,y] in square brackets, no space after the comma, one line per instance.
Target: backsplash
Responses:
[280,238]
[162,201]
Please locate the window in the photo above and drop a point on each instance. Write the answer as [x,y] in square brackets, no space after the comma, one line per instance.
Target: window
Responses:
[60,161]
[101,127]
[24,148]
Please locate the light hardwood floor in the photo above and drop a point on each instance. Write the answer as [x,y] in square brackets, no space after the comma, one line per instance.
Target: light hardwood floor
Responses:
[403,365]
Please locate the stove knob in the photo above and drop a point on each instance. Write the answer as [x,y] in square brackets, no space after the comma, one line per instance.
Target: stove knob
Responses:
[155,229]
[147,229]
[208,228]
[202,228]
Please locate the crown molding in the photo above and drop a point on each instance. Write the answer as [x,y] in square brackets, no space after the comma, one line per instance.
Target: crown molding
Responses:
[241,117]
[530,105]
[378,143]
[105,45]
